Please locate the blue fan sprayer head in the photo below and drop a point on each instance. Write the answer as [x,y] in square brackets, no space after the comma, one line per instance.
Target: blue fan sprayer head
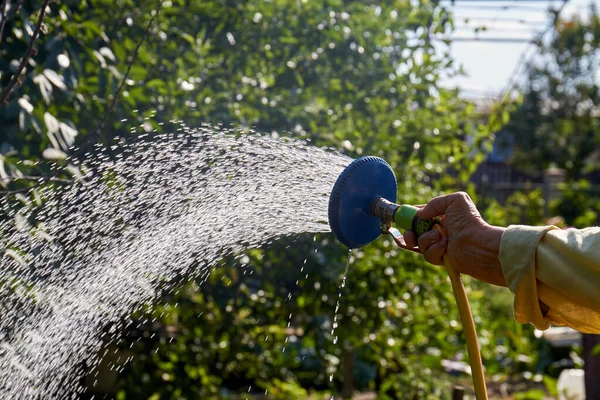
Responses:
[362,204]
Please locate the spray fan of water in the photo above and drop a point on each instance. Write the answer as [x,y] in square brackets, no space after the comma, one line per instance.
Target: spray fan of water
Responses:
[153,212]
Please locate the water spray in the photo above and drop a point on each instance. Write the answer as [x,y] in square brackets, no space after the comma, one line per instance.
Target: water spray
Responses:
[362,206]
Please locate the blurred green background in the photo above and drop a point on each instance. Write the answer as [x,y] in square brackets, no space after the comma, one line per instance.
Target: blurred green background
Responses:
[362,77]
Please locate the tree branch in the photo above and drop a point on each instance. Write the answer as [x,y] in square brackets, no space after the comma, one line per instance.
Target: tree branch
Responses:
[42,180]
[16,191]
[100,125]
[28,54]
[32,178]
[3,23]
[39,180]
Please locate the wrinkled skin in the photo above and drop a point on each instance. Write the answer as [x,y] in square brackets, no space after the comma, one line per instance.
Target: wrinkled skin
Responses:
[472,245]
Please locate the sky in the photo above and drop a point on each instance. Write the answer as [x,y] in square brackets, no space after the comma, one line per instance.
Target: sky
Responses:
[490,66]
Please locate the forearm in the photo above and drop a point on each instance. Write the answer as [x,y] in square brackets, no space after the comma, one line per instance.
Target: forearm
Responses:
[480,254]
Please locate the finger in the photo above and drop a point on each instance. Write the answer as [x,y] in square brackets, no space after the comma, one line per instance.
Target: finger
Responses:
[410,239]
[428,239]
[435,253]
[437,206]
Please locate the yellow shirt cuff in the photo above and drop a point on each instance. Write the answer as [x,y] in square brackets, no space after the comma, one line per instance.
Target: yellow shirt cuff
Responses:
[517,258]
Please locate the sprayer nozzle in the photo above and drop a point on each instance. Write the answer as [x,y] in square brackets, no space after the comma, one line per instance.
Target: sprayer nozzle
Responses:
[350,205]
[384,209]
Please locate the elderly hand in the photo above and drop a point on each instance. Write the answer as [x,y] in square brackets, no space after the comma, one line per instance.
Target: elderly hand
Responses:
[472,244]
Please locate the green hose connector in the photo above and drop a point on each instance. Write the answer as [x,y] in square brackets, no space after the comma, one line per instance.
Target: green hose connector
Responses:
[404,216]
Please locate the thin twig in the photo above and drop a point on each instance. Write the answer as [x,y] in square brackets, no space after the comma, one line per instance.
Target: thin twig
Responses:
[32,178]
[16,191]
[39,180]
[42,180]
[18,7]
[25,59]
[3,15]
[100,125]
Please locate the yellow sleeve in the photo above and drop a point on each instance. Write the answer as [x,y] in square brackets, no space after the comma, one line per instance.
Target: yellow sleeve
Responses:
[554,274]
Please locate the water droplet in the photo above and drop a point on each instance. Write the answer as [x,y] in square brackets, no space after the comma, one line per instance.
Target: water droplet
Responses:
[138,228]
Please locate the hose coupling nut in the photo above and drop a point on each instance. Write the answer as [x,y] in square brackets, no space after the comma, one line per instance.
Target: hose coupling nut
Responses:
[384,209]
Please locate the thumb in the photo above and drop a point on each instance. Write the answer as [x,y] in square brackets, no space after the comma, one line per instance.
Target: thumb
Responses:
[436,206]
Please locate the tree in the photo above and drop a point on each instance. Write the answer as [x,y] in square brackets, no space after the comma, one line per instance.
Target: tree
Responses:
[557,122]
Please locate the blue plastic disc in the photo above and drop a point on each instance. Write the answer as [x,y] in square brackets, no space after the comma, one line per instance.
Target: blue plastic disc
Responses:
[357,186]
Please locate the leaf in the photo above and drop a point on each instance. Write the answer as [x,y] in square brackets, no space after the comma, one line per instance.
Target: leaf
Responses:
[45,87]
[14,254]
[54,154]
[92,27]
[51,123]
[156,83]
[63,60]
[113,70]
[107,53]
[76,172]
[24,121]
[26,105]
[289,40]
[56,79]
[188,38]
[551,385]
[129,44]
[100,58]
[68,133]
[335,84]
[532,394]
[505,117]
[138,73]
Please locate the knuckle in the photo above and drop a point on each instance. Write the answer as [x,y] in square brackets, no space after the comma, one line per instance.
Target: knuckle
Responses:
[428,238]
[463,195]
[437,250]
[460,198]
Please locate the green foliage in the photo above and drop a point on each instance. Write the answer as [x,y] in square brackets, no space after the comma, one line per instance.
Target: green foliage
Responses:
[359,70]
[361,77]
[579,204]
[524,207]
[551,385]
[532,394]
